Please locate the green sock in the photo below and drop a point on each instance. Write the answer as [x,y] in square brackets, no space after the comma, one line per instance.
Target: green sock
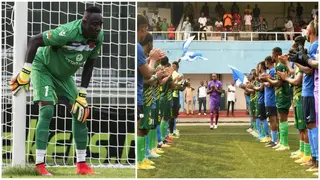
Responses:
[281,133]
[167,126]
[307,149]
[286,133]
[163,130]
[254,126]
[263,134]
[42,129]
[80,133]
[301,146]
[141,147]
[151,139]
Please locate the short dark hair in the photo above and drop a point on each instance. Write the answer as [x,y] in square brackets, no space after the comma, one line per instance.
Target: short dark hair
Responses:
[93,9]
[148,39]
[176,63]
[142,20]
[164,61]
[277,50]
[268,59]
[263,65]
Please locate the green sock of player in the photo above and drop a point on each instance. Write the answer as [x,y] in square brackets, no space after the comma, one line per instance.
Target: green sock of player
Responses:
[42,131]
[301,146]
[281,132]
[285,136]
[263,134]
[141,143]
[163,130]
[254,126]
[151,139]
[167,131]
[307,149]
[80,133]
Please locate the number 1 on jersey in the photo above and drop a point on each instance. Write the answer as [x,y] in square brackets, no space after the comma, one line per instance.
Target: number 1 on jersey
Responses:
[47,89]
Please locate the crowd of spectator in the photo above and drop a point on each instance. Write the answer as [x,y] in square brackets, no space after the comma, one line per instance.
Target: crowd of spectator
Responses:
[233,20]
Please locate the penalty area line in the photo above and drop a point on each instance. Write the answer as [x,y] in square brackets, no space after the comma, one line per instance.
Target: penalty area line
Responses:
[243,151]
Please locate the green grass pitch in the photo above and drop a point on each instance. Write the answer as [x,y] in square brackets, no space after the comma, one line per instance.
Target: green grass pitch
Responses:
[68,172]
[227,152]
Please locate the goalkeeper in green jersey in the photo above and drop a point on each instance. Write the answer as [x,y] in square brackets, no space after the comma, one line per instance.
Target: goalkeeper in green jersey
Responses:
[52,58]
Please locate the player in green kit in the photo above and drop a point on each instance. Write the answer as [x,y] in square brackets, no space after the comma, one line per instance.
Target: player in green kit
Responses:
[304,153]
[253,101]
[165,101]
[52,58]
[283,102]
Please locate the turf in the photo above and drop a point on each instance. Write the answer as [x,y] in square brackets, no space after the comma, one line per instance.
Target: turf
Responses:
[227,152]
[68,172]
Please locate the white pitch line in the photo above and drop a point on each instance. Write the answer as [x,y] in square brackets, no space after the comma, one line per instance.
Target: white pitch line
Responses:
[204,134]
[243,151]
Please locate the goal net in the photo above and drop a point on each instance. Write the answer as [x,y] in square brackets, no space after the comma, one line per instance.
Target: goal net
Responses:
[111,97]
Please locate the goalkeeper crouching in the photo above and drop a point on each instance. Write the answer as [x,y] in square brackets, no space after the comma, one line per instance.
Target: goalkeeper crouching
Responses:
[52,58]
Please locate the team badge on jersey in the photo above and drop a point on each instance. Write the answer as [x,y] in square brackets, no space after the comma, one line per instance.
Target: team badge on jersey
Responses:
[49,35]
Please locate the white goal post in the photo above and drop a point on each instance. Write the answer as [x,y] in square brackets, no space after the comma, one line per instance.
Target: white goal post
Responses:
[111,92]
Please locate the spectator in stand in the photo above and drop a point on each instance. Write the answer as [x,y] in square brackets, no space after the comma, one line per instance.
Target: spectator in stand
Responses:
[219,25]
[155,19]
[203,24]
[145,15]
[256,13]
[291,10]
[227,24]
[289,29]
[205,9]
[186,27]
[164,27]
[247,21]
[313,12]
[196,29]
[171,30]
[227,21]
[219,10]
[248,9]
[237,22]
[188,11]
[299,11]
[158,28]
[263,27]
[234,8]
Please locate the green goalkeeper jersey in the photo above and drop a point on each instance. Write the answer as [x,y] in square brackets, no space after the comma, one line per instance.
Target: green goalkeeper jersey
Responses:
[66,50]
[282,92]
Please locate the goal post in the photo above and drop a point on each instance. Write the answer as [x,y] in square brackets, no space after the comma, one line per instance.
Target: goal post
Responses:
[111,92]
[19,102]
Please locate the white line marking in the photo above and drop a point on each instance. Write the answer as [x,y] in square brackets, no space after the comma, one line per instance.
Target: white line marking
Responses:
[243,151]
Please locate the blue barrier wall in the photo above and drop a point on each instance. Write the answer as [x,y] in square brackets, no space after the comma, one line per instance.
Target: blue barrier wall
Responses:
[243,55]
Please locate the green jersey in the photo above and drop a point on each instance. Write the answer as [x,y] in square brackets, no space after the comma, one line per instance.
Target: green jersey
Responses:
[165,89]
[254,96]
[282,92]
[66,50]
[297,90]
[147,95]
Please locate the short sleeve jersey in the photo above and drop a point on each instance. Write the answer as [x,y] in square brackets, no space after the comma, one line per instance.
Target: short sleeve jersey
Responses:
[141,61]
[66,49]
[269,94]
[297,90]
[166,90]
[282,92]
[218,85]
[308,80]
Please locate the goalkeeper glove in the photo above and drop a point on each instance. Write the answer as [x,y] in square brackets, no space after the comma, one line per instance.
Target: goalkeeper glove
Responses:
[22,80]
[299,57]
[80,108]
